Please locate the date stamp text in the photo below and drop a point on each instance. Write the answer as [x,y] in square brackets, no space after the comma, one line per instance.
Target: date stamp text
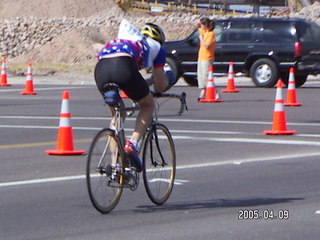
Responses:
[256,214]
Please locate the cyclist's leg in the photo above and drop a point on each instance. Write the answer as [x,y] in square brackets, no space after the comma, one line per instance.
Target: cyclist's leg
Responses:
[138,90]
[144,117]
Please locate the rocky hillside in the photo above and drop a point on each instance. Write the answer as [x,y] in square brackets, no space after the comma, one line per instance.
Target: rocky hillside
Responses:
[71,31]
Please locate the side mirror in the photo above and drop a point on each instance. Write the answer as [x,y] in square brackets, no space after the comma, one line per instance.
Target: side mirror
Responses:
[194,41]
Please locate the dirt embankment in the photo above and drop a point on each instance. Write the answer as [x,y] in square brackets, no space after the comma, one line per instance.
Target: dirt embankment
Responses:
[70,32]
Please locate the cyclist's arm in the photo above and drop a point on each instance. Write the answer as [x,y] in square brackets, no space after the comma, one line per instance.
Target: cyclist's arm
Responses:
[163,79]
[160,79]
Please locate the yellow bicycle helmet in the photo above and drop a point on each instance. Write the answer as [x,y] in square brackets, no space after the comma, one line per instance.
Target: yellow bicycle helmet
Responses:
[153,31]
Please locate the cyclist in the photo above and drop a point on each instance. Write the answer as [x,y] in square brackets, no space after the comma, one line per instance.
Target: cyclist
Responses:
[120,61]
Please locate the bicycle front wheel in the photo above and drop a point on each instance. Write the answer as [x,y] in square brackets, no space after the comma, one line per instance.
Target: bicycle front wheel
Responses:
[159,163]
[104,173]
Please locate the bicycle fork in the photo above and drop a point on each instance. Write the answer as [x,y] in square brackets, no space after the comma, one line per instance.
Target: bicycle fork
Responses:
[155,138]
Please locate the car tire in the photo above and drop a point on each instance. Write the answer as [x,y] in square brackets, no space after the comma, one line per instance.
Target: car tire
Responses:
[171,64]
[299,79]
[264,72]
[284,76]
[191,80]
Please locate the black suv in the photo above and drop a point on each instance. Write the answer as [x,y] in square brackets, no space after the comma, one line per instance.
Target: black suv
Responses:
[262,48]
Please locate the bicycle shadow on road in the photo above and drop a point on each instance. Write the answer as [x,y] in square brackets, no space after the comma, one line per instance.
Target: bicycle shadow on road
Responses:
[219,203]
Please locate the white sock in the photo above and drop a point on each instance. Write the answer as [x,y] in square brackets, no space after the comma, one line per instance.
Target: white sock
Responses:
[135,144]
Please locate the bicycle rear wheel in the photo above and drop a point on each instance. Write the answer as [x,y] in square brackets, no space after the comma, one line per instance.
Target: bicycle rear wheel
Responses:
[159,163]
[105,171]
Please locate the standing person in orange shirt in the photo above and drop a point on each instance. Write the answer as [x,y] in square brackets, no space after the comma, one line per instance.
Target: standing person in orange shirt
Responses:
[207,38]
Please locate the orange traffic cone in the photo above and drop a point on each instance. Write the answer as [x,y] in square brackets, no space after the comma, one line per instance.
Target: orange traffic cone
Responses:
[123,95]
[211,93]
[29,82]
[230,87]
[3,81]
[291,93]
[279,117]
[65,136]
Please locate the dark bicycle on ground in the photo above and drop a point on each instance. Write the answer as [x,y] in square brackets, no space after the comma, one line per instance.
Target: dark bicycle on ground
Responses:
[109,169]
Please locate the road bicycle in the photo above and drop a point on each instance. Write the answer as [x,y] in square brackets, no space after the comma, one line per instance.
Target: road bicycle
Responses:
[109,170]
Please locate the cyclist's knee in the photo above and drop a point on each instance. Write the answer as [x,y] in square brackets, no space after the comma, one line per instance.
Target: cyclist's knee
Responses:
[147,102]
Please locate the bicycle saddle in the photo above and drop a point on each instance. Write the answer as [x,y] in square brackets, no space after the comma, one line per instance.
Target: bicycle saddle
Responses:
[111,94]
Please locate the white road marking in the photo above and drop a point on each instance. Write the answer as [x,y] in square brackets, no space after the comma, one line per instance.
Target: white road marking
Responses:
[171,120]
[182,137]
[40,89]
[176,181]
[181,167]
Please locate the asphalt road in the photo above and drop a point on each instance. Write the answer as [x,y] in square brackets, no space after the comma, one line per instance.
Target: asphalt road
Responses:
[228,171]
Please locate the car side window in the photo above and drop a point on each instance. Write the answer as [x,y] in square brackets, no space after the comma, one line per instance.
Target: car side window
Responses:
[307,32]
[275,32]
[315,29]
[194,38]
[218,31]
[239,31]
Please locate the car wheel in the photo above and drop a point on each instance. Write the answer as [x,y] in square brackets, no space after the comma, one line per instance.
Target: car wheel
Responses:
[284,76]
[191,80]
[171,65]
[264,73]
[300,80]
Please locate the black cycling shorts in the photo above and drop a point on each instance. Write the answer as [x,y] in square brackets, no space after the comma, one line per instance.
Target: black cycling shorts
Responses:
[124,72]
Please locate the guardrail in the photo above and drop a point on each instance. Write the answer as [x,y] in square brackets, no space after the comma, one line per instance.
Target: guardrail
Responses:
[194,7]
[170,7]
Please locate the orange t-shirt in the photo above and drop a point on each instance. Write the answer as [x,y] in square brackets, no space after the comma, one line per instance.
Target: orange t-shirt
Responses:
[207,53]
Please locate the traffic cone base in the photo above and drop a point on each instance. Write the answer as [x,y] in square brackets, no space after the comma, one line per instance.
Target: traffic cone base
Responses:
[65,136]
[207,100]
[293,104]
[65,152]
[271,132]
[230,91]
[28,89]
[3,83]
[279,117]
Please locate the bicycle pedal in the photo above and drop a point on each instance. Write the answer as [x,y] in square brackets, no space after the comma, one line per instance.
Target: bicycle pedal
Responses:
[131,178]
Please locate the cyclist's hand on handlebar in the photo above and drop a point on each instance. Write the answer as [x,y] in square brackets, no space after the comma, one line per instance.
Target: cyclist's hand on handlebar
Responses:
[156,94]
[170,78]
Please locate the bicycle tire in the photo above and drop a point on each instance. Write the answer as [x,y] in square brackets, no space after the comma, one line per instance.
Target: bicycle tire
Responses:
[104,183]
[158,177]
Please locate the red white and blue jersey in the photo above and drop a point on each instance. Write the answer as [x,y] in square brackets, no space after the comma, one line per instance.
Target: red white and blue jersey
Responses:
[144,55]
[146,52]
[135,49]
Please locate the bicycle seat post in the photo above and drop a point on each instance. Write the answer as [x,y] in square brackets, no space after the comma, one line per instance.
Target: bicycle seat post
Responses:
[113,99]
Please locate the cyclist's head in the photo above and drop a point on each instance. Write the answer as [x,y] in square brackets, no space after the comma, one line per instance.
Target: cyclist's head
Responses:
[153,31]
